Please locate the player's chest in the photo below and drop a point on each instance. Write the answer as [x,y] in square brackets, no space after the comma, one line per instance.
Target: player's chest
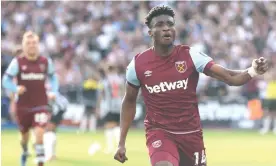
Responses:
[167,71]
[33,67]
[32,72]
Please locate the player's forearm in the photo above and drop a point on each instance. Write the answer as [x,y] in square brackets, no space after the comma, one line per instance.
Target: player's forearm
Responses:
[127,115]
[231,77]
[239,79]
[9,84]
[235,72]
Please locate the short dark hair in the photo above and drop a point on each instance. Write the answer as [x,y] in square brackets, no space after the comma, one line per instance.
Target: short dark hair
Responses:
[157,11]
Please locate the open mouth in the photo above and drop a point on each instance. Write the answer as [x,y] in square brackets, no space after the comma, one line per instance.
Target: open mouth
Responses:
[167,36]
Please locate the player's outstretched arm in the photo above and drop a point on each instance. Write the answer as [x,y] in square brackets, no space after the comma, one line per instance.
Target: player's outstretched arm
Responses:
[235,77]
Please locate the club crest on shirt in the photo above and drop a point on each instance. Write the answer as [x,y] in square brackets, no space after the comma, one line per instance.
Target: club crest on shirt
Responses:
[156,144]
[181,66]
[42,67]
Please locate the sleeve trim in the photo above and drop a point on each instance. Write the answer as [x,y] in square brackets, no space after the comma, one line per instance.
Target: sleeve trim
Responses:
[132,85]
[208,66]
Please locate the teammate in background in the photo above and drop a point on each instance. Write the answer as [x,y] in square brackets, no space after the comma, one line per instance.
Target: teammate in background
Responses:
[168,75]
[58,108]
[269,102]
[13,98]
[110,99]
[31,71]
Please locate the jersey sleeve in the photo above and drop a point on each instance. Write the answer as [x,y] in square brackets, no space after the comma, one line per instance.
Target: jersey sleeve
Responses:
[51,68]
[13,68]
[53,79]
[201,61]
[11,72]
[131,75]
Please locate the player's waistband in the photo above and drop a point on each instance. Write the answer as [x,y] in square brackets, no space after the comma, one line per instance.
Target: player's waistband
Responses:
[36,108]
[177,132]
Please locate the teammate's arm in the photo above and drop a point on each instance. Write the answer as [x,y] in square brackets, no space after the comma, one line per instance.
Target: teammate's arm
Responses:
[12,106]
[53,80]
[10,73]
[128,109]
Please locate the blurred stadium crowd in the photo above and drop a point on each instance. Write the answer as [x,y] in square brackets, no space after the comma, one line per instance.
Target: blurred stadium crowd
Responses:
[85,38]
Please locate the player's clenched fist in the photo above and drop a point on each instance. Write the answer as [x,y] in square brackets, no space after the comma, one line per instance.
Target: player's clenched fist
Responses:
[260,65]
[121,155]
[21,89]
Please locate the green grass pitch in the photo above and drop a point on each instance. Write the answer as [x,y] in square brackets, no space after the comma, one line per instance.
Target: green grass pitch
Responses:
[223,148]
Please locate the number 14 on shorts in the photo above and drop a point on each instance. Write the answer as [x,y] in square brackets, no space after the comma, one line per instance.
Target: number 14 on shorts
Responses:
[202,160]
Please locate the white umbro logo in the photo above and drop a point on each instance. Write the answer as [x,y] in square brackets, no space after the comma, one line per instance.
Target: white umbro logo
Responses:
[156,144]
[148,73]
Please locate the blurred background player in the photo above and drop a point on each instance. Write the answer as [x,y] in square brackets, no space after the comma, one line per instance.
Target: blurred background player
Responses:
[58,107]
[13,98]
[31,71]
[110,101]
[269,101]
[168,76]
[90,95]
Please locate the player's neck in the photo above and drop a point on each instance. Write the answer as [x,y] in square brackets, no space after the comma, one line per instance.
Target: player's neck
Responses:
[31,58]
[163,51]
